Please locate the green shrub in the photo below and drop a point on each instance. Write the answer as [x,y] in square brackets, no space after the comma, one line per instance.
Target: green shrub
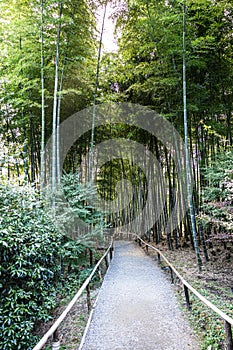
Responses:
[30,248]
[216,212]
[38,263]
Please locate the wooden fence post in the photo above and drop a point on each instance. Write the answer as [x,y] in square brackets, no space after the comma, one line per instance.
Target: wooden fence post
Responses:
[106,260]
[229,341]
[110,253]
[186,292]
[172,277]
[88,298]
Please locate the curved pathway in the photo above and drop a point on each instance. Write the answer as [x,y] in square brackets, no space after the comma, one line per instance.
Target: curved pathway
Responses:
[137,308]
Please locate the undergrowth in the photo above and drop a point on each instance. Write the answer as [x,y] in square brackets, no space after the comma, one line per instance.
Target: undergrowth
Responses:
[205,322]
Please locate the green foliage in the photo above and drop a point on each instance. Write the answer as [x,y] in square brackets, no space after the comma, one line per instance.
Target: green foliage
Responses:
[148,67]
[20,74]
[30,246]
[218,195]
[38,264]
[205,322]
[76,210]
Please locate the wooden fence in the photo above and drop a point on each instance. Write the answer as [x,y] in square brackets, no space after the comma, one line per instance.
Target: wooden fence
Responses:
[228,321]
[53,331]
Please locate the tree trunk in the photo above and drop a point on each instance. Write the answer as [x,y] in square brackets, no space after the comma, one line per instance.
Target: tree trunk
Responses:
[55,98]
[95,94]
[188,166]
[42,156]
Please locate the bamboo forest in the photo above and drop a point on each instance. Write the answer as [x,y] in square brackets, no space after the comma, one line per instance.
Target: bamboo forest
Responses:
[116,161]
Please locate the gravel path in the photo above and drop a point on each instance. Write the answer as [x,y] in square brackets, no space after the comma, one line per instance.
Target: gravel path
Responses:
[136,308]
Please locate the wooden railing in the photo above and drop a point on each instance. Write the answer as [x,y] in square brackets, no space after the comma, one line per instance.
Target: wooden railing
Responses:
[228,321]
[53,331]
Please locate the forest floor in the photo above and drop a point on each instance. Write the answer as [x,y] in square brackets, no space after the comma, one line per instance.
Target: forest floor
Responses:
[216,275]
[215,282]
[72,328]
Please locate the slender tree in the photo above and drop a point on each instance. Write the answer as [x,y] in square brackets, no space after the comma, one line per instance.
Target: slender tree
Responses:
[42,157]
[96,91]
[58,123]
[187,156]
[55,100]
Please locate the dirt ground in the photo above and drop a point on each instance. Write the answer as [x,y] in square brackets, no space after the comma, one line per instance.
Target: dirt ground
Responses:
[72,328]
[217,274]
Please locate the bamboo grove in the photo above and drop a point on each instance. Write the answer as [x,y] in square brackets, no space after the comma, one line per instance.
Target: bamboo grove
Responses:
[51,68]
[175,59]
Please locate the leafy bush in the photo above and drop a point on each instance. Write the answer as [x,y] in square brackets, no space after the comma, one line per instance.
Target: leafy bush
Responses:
[30,248]
[76,212]
[217,210]
[37,262]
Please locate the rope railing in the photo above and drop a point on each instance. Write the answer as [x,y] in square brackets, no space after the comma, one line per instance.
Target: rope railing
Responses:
[228,321]
[53,331]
